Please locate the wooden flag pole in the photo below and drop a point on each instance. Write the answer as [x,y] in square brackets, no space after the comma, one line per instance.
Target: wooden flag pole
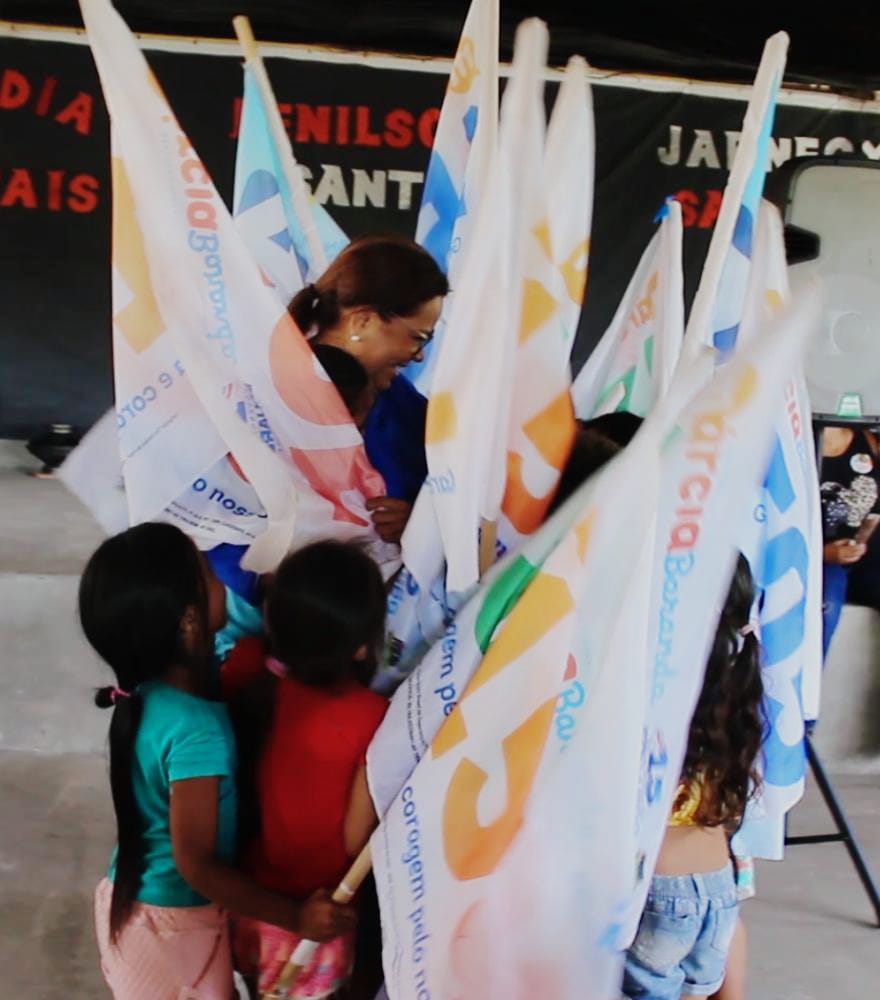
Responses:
[305,950]
[298,190]
[488,537]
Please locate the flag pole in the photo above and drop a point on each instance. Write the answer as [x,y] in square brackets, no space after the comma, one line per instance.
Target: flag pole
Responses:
[488,536]
[298,190]
[305,950]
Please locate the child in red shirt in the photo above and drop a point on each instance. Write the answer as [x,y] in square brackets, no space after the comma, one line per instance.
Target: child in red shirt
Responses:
[305,719]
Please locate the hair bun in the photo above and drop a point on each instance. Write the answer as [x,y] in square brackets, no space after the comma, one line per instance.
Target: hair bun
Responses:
[104,697]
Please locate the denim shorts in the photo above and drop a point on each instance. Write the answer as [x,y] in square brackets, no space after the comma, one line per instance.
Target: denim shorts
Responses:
[683,938]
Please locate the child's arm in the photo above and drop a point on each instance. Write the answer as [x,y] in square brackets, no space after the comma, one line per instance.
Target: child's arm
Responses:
[193,835]
[360,819]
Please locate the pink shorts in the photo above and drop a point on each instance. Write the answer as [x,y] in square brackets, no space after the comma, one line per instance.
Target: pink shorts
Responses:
[262,950]
[165,952]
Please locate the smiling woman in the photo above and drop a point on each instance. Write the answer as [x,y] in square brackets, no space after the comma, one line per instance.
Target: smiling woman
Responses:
[379,301]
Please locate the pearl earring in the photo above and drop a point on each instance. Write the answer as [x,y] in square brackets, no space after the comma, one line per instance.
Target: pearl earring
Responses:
[355,338]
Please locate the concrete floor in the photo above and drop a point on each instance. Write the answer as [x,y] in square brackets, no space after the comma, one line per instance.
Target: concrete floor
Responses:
[811,931]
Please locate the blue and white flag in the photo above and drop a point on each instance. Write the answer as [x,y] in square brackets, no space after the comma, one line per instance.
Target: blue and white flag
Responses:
[718,304]
[459,168]
[784,548]
[292,237]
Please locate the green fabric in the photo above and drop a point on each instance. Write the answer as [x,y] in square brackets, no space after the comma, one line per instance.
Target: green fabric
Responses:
[180,736]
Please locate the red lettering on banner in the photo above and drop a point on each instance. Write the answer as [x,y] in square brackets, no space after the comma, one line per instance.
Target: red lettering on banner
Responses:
[710,209]
[343,113]
[53,201]
[399,126]
[14,90]
[83,196]
[78,113]
[362,134]
[23,188]
[699,208]
[428,126]
[313,124]
[19,190]
[46,95]
[350,125]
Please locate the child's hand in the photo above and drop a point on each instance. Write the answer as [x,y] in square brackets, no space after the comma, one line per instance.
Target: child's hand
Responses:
[321,919]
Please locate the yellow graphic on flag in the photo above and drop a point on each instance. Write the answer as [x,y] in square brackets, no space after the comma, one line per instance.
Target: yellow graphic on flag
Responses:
[538,306]
[464,69]
[574,270]
[442,420]
[139,322]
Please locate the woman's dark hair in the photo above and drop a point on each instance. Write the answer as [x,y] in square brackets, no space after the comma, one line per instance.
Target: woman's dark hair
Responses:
[134,593]
[345,372]
[728,725]
[390,274]
[327,601]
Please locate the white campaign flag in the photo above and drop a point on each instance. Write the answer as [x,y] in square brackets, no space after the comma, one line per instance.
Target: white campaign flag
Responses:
[460,168]
[631,367]
[560,201]
[453,852]
[189,296]
[783,543]
[471,394]
[712,465]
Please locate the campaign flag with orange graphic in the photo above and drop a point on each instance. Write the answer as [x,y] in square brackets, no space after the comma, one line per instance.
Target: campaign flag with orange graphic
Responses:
[631,367]
[224,366]
[470,405]
[459,170]
[542,424]
[440,851]
[557,188]
[712,468]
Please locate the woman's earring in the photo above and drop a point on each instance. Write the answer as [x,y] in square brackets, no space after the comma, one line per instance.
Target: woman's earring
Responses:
[355,338]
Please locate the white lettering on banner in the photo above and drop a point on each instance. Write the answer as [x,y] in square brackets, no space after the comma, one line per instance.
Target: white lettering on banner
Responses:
[700,148]
[335,188]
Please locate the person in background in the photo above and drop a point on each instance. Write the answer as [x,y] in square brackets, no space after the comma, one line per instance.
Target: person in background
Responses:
[849,476]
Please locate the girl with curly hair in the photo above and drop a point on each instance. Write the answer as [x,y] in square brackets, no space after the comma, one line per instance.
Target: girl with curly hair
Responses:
[691,912]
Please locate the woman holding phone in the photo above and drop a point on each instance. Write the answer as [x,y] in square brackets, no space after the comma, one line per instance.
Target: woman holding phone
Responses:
[850,490]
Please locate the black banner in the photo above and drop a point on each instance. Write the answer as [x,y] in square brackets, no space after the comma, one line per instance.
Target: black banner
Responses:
[364,132]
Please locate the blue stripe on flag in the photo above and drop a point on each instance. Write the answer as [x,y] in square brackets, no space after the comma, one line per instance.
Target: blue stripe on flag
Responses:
[743,232]
[724,340]
[784,763]
[441,194]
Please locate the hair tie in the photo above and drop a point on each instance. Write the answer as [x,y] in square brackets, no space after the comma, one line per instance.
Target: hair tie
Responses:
[117,693]
[314,294]
[748,629]
[276,667]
